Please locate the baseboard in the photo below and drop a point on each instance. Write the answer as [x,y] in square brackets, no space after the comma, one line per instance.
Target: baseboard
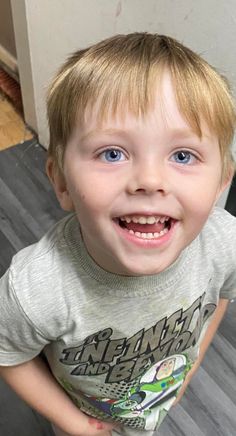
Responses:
[9,63]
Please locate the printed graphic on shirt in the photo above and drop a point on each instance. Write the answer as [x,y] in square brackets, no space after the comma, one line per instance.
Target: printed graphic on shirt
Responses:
[152,396]
[138,377]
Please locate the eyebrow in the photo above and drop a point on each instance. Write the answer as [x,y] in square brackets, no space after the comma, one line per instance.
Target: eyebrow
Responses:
[190,134]
[95,132]
[185,133]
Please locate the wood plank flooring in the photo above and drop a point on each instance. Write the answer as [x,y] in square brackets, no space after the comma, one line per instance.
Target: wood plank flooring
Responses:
[12,127]
[27,209]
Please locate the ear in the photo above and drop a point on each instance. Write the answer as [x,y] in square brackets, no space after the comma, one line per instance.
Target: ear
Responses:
[58,181]
[225,182]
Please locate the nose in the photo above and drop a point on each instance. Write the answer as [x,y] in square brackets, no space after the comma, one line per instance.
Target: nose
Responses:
[149,177]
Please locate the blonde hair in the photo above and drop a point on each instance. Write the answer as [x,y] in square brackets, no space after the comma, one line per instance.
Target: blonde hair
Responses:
[123,71]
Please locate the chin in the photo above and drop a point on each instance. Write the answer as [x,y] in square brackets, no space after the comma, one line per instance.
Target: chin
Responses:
[144,271]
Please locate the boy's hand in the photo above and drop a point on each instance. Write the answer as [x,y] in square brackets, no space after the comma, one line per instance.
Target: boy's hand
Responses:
[95,427]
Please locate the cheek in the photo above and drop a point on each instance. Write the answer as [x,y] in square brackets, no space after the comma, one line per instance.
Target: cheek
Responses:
[94,198]
[199,198]
[88,204]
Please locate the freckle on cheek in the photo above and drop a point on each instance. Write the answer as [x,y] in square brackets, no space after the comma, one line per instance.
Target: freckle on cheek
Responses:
[95,423]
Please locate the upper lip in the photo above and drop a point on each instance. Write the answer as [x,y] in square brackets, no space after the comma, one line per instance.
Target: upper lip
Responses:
[145,214]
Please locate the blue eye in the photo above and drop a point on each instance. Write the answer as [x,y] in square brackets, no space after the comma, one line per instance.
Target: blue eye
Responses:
[112,155]
[183,157]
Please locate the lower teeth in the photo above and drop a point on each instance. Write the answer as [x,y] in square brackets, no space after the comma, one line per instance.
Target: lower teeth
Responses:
[148,235]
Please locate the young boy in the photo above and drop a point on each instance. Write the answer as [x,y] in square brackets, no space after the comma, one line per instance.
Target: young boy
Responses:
[124,295]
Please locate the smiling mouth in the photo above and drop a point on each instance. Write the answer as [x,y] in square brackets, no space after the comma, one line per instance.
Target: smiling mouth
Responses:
[146,227]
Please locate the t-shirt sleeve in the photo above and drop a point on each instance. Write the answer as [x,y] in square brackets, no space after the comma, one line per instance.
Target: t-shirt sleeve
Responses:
[228,290]
[20,339]
[228,258]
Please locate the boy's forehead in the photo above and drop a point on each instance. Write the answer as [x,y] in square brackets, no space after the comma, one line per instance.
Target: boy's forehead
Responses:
[163,111]
[124,113]
[133,127]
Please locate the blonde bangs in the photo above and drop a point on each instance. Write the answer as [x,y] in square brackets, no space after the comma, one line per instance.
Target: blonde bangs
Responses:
[112,82]
[204,96]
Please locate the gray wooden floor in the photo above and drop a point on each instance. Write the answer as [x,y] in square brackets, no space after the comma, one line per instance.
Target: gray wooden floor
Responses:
[27,209]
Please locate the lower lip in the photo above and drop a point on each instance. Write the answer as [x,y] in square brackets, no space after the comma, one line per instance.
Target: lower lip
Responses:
[147,243]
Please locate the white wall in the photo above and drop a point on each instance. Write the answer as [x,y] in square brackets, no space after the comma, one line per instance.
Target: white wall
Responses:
[46,32]
[7,39]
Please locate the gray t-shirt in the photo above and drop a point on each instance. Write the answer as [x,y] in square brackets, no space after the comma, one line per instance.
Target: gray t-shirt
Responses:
[120,346]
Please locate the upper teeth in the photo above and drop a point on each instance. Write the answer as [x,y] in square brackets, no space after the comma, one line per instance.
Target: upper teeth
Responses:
[145,219]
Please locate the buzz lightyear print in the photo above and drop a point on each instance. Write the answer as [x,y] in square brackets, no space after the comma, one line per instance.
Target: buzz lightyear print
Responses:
[156,391]
[153,395]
